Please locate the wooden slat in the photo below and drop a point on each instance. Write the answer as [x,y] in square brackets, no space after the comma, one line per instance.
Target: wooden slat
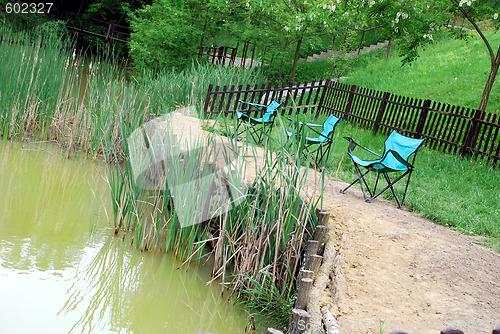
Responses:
[452,127]
[228,103]
[495,136]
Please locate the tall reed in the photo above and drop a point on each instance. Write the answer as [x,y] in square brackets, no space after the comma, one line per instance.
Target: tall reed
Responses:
[49,90]
[258,240]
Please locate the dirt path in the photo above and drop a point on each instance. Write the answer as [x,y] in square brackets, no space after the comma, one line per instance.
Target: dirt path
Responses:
[403,272]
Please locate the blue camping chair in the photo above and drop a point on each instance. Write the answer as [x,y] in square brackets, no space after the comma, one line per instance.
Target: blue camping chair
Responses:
[396,158]
[257,127]
[318,146]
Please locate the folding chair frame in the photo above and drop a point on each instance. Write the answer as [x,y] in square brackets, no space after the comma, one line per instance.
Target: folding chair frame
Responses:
[384,171]
[323,147]
[257,128]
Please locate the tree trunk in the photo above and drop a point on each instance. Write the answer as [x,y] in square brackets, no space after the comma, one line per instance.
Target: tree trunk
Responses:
[389,48]
[491,80]
[295,60]
[202,39]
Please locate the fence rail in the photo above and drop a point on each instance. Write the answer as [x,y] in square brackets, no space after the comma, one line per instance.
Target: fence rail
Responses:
[446,128]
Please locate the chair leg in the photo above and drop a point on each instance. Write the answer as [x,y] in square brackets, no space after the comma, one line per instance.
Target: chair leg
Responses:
[320,155]
[236,133]
[238,125]
[328,149]
[406,187]
[364,181]
[376,183]
[361,180]
[390,185]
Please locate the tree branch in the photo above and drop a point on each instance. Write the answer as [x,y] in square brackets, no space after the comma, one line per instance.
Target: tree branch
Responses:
[471,20]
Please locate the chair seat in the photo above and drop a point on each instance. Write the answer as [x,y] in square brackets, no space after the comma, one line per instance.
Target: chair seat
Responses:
[256,120]
[379,164]
[364,163]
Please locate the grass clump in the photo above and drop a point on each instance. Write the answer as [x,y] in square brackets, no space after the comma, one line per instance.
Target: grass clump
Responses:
[264,300]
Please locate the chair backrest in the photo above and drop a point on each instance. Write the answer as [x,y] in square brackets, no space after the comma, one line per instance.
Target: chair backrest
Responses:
[270,110]
[329,125]
[405,146]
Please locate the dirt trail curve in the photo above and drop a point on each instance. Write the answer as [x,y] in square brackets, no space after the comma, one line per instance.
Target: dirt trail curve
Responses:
[404,272]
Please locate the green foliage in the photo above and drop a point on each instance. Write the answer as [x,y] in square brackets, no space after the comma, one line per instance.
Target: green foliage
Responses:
[264,300]
[306,71]
[163,36]
[109,9]
[168,33]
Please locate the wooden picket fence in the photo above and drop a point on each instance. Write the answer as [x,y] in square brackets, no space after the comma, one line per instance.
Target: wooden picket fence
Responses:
[447,128]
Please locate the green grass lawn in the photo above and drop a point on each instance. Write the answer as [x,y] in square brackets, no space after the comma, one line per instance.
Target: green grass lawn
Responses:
[447,189]
[449,71]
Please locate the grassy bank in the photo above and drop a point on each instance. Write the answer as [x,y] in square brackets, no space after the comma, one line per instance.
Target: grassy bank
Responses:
[449,71]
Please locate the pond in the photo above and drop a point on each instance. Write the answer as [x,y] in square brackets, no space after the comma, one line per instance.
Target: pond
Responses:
[63,270]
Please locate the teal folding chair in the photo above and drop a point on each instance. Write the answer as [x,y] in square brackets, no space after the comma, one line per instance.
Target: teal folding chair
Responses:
[257,127]
[396,159]
[318,146]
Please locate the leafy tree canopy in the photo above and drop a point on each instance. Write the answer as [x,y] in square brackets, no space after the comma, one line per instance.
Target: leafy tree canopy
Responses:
[167,33]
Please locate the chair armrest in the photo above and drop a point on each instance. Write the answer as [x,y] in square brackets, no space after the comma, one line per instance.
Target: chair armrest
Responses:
[294,121]
[256,105]
[353,145]
[314,125]
[311,125]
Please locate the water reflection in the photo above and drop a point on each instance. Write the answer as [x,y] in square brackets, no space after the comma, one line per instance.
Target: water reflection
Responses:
[47,205]
[62,269]
[148,294]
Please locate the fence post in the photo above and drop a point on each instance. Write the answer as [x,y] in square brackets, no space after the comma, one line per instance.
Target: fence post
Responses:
[347,110]
[253,55]
[423,116]
[326,89]
[470,138]
[207,99]
[380,112]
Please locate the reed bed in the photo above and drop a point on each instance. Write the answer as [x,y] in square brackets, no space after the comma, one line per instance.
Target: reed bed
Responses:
[51,91]
[256,243]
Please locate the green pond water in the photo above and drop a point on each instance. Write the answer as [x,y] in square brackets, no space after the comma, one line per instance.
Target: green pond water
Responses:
[62,270]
